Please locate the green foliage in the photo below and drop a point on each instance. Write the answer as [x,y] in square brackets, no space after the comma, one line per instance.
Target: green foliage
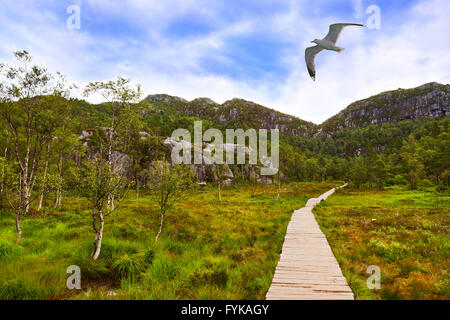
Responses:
[168,184]
[403,232]
[149,256]
[162,269]
[225,250]
[8,250]
[202,253]
[127,265]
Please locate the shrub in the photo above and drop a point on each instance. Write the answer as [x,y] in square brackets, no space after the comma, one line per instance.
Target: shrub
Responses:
[94,270]
[174,247]
[400,179]
[215,277]
[7,250]
[127,265]
[112,249]
[149,256]
[391,252]
[72,234]
[425,184]
[16,289]
[162,269]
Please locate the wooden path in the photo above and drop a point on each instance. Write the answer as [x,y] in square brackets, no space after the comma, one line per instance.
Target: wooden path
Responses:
[307,269]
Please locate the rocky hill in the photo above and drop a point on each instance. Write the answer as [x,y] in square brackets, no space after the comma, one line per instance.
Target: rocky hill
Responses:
[235,113]
[428,100]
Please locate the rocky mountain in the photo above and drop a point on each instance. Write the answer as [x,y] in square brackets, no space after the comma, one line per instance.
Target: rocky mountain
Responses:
[235,113]
[428,100]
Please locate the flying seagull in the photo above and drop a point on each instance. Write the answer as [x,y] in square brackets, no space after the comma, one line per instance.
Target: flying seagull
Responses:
[327,43]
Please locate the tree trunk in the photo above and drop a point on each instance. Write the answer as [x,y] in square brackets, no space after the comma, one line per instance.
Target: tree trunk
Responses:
[220,198]
[98,237]
[160,227]
[44,180]
[25,197]
[60,182]
[278,191]
[110,203]
[137,189]
[18,229]
[45,203]
[3,168]
[58,199]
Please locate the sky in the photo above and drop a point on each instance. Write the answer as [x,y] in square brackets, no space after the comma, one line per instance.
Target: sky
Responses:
[252,50]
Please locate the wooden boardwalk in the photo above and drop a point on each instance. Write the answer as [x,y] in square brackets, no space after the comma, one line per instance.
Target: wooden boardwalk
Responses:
[307,269]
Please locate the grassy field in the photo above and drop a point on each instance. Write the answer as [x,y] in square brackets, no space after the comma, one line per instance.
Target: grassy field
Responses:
[405,233]
[209,249]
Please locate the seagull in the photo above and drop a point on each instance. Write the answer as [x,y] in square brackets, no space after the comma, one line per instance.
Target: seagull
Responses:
[327,43]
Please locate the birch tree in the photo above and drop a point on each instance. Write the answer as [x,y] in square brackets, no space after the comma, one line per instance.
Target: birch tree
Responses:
[100,182]
[27,94]
[122,104]
[66,143]
[104,180]
[168,184]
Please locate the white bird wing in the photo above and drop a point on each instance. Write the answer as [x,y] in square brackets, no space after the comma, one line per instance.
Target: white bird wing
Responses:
[336,29]
[310,54]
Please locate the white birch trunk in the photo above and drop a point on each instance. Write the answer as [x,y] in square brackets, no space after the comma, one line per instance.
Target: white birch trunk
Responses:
[160,227]
[98,237]
[44,180]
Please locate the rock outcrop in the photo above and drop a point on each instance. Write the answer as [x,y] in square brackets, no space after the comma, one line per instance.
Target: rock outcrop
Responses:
[428,100]
[206,171]
[234,113]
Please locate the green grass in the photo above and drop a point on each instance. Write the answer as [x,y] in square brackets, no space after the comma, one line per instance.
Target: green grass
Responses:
[209,249]
[405,233]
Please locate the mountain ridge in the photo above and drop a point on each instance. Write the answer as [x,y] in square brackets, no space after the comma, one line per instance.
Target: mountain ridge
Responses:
[427,100]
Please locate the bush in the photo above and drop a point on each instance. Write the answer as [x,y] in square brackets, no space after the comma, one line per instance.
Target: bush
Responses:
[425,184]
[149,256]
[127,265]
[94,270]
[112,249]
[7,250]
[391,252]
[163,269]
[72,234]
[400,179]
[18,289]
[174,246]
[214,276]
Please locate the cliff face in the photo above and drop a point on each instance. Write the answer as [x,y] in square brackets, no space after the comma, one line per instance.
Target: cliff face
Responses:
[242,113]
[429,100]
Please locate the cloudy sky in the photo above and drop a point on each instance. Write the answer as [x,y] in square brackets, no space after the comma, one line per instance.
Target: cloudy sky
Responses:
[248,49]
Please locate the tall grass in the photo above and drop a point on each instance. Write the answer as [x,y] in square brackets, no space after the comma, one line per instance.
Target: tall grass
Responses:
[209,249]
[403,232]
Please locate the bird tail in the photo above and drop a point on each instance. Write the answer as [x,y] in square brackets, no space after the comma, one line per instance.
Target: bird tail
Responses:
[340,49]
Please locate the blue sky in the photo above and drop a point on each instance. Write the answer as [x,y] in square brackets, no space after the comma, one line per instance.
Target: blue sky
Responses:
[247,49]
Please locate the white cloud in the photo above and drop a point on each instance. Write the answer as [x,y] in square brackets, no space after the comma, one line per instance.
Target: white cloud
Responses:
[406,52]
[415,53]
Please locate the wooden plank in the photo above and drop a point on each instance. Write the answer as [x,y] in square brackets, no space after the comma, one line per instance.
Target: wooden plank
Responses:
[307,269]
